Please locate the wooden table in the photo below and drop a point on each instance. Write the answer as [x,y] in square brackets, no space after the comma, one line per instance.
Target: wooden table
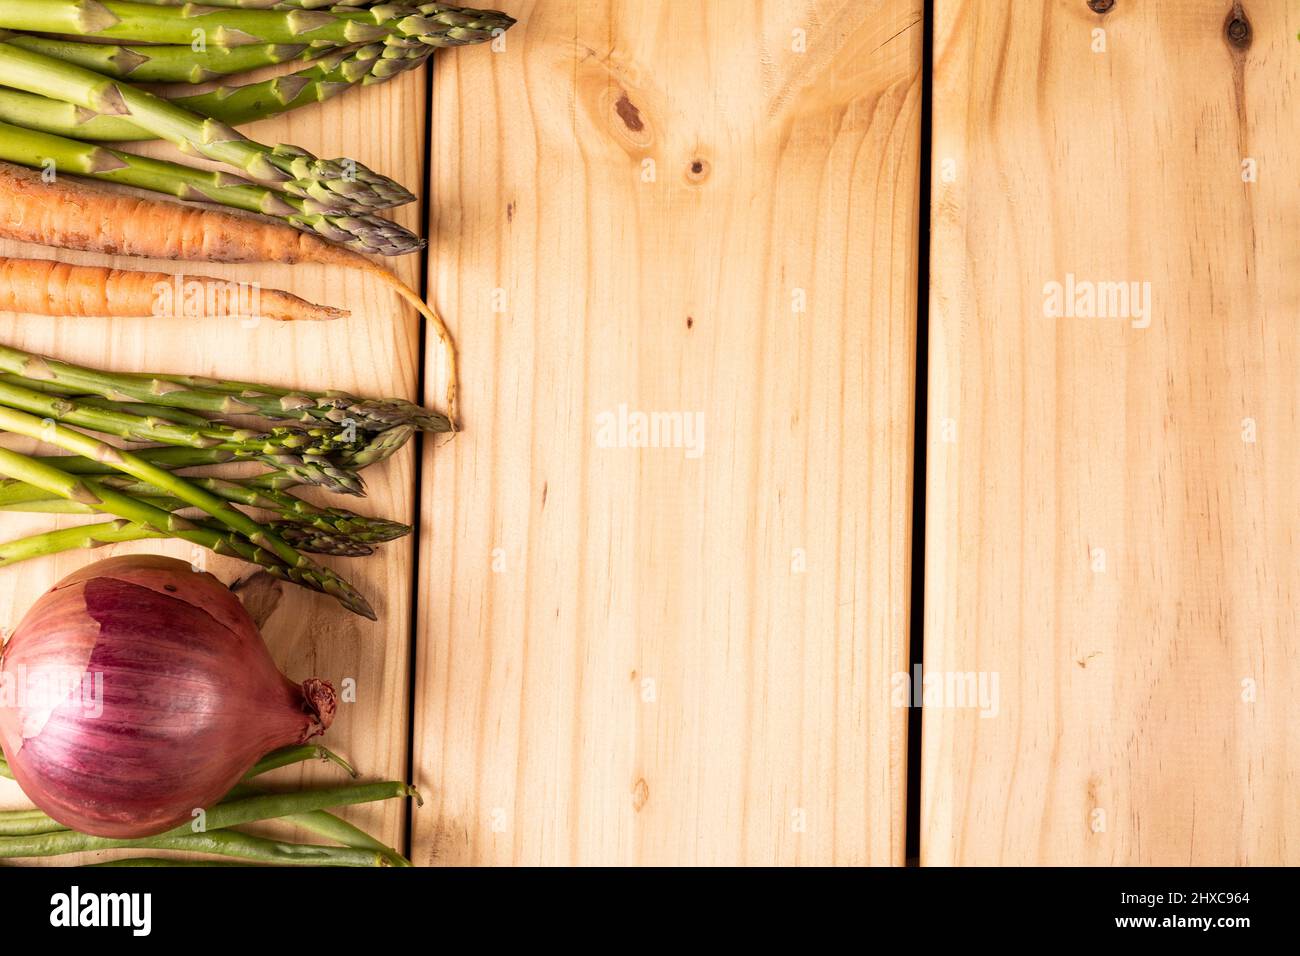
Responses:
[659,603]
[608,652]
[1111,510]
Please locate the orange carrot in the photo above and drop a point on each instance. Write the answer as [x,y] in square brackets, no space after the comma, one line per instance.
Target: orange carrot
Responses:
[80,215]
[44,287]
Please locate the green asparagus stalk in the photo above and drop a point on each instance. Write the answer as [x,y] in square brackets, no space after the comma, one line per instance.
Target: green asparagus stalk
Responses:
[298,567]
[173,416]
[370,414]
[138,428]
[222,398]
[273,4]
[58,118]
[146,23]
[332,73]
[311,541]
[162,64]
[300,452]
[149,517]
[435,24]
[339,522]
[97,535]
[302,537]
[159,413]
[170,458]
[329,76]
[60,483]
[362,233]
[344,185]
[289,510]
[379,447]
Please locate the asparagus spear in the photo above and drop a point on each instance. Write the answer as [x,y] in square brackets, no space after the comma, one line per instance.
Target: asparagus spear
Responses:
[162,64]
[73,539]
[284,560]
[377,414]
[117,531]
[134,511]
[339,524]
[218,397]
[320,542]
[160,413]
[268,4]
[300,452]
[114,421]
[379,447]
[329,76]
[275,4]
[332,530]
[363,233]
[344,185]
[307,407]
[229,104]
[332,73]
[171,458]
[436,24]
[154,23]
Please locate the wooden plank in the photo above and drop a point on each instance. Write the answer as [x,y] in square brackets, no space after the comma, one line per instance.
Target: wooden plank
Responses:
[1110,507]
[638,654]
[375,351]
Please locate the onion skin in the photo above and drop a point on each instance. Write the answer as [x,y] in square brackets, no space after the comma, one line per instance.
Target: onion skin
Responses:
[190,698]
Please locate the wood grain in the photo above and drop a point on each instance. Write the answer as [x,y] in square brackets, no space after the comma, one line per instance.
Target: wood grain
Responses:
[637,654]
[1111,508]
[374,352]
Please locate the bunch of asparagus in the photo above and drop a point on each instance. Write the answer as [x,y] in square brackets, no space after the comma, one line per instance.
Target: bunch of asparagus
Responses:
[73,91]
[170,423]
[30,833]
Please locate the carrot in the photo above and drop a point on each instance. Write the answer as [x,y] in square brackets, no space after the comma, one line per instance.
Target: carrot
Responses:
[91,218]
[44,287]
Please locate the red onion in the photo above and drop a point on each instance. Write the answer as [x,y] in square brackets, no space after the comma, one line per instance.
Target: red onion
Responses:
[137,690]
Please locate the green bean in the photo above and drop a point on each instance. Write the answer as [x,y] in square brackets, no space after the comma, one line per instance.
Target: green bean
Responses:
[164,861]
[327,825]
[242,810]
[290,755]
[317,821]
[26,823]
[220,842]
[270,806]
